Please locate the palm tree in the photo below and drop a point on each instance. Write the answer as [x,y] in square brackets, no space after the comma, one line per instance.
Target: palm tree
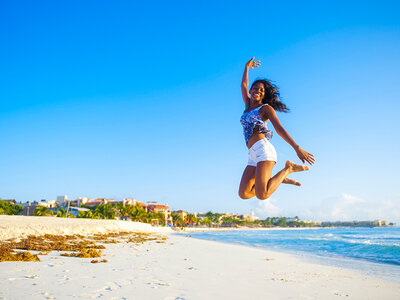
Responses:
[177,219]
[105,211]
[61,213]
[125,209]
[138,213]
[206,221]
[43,211]
[85,214]
[191,219]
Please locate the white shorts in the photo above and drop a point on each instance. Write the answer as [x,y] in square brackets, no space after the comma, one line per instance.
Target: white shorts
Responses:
[262,150]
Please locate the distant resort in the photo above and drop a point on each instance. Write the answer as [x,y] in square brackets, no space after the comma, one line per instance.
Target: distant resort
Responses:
[129,209]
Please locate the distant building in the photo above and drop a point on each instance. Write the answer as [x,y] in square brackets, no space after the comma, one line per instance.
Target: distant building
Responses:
[164,209]
[243,217]
[226,215]
[24,204]
[158,208]
[80,200]
[99,201]
[29,210]
[76,210]
[133,202]
[381,223]
[62,200]
[253,217]
[49,204]
[13,201]
[183,214]
[293,219]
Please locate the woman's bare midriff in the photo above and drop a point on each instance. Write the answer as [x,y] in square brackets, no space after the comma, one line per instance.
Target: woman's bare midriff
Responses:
[255,137]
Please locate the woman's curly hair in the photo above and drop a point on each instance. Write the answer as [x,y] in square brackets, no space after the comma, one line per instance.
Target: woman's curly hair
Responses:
[272,95]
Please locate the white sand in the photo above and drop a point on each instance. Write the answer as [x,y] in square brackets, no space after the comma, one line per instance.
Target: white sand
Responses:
[22,226]
[186,268]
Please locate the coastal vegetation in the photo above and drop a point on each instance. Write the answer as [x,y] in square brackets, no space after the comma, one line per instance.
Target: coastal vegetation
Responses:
[218,219]
[210,219]
[43,211]
[7,208]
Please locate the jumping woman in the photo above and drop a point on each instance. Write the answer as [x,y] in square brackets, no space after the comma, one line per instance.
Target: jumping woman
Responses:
[261,102]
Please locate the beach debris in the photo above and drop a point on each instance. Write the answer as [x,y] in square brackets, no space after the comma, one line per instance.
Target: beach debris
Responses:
[9,254]
[159,283]
[95,261]
[75,245]
[84,253]
[278,279]
[32,276]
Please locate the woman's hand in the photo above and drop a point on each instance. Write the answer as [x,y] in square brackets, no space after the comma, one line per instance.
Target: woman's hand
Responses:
[252,63]
[245,80]
[305,156]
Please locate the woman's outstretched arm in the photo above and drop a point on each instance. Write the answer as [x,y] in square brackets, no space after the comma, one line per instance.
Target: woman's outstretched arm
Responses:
[270,114]
[245,80]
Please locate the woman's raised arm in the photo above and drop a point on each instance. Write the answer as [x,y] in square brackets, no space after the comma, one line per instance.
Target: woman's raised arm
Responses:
[245,80]
[269,113]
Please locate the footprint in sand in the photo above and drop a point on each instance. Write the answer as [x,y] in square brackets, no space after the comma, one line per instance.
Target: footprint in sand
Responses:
[112,286]
[159,283]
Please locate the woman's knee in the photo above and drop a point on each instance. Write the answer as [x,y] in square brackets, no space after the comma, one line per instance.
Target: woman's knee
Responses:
[262,194]
[245,195]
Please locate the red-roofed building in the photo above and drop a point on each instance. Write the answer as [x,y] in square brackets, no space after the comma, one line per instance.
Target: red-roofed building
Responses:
[183,214]
[134,202]
[99,201]
[161,208]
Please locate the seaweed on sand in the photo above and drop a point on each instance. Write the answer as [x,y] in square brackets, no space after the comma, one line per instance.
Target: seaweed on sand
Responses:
[77,245]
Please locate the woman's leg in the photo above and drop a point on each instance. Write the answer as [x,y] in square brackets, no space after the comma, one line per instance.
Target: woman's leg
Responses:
[246,188]
[291,181]
[265,186]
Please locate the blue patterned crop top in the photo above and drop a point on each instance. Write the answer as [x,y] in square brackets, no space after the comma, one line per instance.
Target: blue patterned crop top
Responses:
[251,119]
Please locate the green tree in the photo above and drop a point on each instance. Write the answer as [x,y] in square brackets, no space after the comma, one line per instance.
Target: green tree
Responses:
[105,211]
[62,213]
[43,211]
[139,214]
[178,220]
[86,214]
[10,208]
[216,218]
[206,221]
[192,219]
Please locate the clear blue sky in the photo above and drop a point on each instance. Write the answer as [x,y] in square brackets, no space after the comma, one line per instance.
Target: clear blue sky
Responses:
[126,99]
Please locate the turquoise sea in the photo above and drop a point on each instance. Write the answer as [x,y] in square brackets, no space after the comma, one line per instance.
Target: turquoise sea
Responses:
[374,251]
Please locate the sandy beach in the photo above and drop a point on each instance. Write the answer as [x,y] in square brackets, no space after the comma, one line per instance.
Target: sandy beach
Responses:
[180,268]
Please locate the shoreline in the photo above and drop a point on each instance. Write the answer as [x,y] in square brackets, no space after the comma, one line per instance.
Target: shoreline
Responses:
[207,229]
[361,266]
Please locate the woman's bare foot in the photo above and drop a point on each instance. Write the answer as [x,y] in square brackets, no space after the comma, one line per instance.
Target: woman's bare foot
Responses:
[292,167]
[291,181]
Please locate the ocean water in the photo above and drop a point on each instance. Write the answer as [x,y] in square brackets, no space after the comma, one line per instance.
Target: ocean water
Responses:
[373,251]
